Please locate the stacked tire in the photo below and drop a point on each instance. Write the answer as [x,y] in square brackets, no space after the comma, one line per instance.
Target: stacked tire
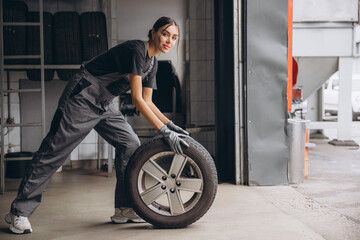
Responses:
[14,36]
[33,45]
[17,169]
[93,34]
[167,80]
[68,38]
[67,49]
[78,38]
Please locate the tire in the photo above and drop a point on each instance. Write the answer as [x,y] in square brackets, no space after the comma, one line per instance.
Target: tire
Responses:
[166,80]
[67,49]
[17,169]
[197,175]
[33,45]
[93,34]
[14,36]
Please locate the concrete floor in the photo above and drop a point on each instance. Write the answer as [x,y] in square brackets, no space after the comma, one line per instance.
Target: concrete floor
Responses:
[78,203]
[329,200]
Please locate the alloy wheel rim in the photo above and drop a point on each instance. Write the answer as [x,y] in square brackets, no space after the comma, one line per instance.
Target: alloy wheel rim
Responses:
[170,184]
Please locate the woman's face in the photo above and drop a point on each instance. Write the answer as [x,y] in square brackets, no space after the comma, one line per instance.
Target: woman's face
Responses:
[166,37]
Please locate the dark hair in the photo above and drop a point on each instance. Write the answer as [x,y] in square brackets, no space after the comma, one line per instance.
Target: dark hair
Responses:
[160,23]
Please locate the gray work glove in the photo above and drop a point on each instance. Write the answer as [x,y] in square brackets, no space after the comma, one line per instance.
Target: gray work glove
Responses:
[173,139]
[177,129]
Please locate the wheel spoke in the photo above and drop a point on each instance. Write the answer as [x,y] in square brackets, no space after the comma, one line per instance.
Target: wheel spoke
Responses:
[175,175]
[154,170]
[153,193]
[177,164]
[190,184]
[175,202]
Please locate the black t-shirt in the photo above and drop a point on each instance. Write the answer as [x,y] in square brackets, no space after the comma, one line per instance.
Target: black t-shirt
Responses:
[114,66]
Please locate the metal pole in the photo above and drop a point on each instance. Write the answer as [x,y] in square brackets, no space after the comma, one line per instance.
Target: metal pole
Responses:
[2,160]
[241,95]
[42,63]
[236,91]
[238,94]
[244,132]
[8,97]
[345,109]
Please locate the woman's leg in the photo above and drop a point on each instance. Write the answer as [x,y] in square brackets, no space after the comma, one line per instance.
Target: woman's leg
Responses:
[68,129]
[118,132]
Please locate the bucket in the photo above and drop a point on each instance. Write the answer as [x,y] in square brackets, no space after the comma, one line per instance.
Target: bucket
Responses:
[17,168]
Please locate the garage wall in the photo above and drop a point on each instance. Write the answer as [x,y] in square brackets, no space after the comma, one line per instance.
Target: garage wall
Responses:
[135,18]
[201,70]
[266,62]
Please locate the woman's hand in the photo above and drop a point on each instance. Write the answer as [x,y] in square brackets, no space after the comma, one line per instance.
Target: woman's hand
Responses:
[173,139]
[175,128]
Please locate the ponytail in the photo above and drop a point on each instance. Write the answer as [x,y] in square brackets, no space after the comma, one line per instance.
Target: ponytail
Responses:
[150,35]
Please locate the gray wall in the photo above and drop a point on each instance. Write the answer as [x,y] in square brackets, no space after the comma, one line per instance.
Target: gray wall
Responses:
[267,46]
[200,53]
[135,18]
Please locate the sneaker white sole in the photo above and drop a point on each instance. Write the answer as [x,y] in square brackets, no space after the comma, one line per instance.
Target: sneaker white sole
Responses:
[137,220]
[17,231]
[14,229]
[126,220]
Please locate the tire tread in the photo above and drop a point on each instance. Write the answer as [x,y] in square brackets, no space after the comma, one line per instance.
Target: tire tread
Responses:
[67,46]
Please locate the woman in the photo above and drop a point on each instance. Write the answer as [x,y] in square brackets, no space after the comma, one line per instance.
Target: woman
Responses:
[86,103]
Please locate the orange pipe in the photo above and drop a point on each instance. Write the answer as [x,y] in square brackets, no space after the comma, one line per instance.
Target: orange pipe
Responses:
[290,61]
[306,165]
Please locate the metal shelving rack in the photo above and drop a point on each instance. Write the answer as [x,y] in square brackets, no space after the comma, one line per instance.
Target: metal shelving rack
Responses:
[4,91]
[42,68]
[2,84]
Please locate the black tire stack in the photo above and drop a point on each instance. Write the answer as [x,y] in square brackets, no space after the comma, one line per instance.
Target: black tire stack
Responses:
[68,38]
[78,38]
[14,36]
[66,30]
[33,45]
[166,80]
[17,169]
[93,34]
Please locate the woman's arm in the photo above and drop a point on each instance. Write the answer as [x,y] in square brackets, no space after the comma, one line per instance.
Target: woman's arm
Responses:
[147,96]
[141,98]
[140,103]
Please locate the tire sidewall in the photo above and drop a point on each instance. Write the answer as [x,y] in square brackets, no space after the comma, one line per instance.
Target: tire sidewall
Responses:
[206,165]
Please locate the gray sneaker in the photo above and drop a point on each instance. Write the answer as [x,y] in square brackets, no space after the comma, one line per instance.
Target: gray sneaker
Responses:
[18,224]
[124,215]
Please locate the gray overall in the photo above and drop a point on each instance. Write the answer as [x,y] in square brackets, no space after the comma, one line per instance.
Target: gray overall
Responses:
[85,104]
